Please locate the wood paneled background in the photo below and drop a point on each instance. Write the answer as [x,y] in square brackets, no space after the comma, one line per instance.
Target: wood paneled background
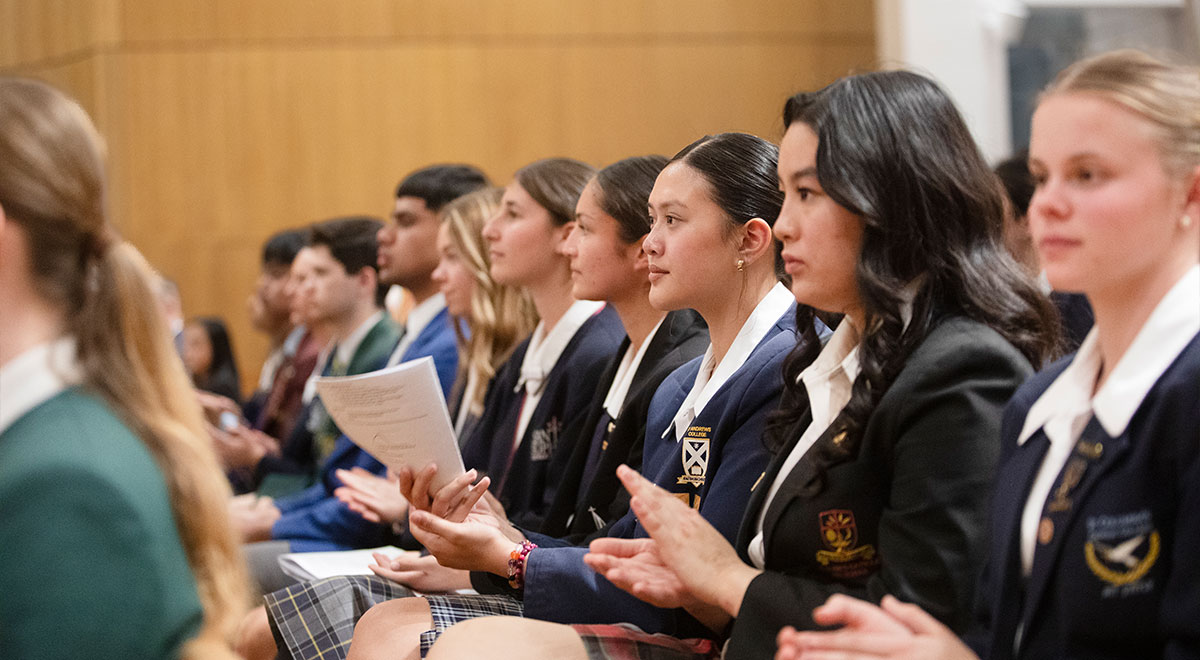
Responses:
[227,120]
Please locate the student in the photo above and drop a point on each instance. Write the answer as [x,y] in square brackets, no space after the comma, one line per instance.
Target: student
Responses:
[113,521]
[208,356]
[277,401]
[1095,512]
[885,444]
[710,249]
[346,295]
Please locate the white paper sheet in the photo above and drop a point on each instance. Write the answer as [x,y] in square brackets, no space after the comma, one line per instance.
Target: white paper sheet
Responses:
[306,566]
[398,415]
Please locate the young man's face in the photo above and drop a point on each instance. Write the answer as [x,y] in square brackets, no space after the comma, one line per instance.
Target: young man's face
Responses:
[408,244]
[326,293]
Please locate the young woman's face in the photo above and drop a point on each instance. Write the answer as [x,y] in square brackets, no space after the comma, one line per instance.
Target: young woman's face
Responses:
[197,350]
[1105,213]
[690,248]
[523,241]
[453,276]
[603,267]
[821,239]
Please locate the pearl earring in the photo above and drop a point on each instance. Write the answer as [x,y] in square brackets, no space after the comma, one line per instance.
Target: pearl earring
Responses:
[1185,221]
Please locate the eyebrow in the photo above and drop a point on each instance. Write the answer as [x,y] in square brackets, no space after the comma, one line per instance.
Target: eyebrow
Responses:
[807,171]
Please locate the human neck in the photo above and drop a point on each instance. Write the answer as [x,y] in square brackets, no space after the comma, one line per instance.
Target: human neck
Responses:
[347,325]
[552,297]
[637,316]
[1122,310]
[422,290]
[35,323]
[725,321]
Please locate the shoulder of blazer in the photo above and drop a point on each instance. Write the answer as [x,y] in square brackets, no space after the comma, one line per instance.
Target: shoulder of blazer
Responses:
[957,341]
[376,346]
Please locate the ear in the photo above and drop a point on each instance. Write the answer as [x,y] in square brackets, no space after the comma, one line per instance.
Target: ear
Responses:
[635,253]
[367,278]
[757,240]
[1192,202]
[561,234]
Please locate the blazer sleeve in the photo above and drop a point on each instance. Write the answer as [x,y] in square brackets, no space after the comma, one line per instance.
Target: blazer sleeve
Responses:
[315,520]
[944,417]
[560,587]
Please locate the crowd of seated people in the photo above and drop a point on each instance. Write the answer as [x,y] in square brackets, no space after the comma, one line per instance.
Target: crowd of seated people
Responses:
[853,394]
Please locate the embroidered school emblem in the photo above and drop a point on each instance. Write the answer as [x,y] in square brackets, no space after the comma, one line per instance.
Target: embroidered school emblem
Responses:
[695,456]
[1121,550]
[542,441]
[839,534]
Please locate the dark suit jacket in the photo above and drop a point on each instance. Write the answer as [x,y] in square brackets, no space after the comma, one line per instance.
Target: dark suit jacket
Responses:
[1078,603]
[526,483]
[722,453]
[682,336]
[908,513]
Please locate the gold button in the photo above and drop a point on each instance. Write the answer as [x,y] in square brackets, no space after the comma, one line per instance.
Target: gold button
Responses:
[604,446]
[1045,531]
[611,426]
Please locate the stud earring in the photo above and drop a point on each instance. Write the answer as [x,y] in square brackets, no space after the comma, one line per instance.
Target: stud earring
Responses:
[1185,221]
[741,264]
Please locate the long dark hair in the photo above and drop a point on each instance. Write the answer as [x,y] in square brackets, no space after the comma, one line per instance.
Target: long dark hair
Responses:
[222,376]
[893,150]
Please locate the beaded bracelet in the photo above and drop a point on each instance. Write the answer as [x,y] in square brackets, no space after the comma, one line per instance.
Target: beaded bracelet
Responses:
[516,564]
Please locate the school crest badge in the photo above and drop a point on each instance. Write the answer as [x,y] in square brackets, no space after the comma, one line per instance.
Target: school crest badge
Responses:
[1121,550]
[543,440]
[695,456]
[843,554]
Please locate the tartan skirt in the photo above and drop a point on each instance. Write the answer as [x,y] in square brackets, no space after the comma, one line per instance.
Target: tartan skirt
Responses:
[625,641]
[449,609]
[315,620]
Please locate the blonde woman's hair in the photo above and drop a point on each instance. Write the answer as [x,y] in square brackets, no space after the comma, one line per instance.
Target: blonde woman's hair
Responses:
[52,186]
[1166,95]
[501,315]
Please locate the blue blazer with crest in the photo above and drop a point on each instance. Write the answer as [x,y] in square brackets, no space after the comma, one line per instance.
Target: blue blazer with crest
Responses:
[1117,575]
[714,468]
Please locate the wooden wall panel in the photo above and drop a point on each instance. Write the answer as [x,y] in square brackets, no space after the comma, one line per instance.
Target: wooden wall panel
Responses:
[228,120]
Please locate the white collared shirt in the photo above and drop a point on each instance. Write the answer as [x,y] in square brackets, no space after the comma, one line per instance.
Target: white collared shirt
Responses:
[828,381]
[543,353]
[1065,408]
[712,376]
[343,351]
[623,380]
[418,318]
[35,376]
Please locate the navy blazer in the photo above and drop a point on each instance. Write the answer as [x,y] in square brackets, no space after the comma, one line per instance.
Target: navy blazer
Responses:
[315,520]
[525,482]
[713,468]
[1140,490]
[909,510]
[581,510]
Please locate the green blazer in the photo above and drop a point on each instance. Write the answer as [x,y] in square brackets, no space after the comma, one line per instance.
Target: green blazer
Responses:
[91,564]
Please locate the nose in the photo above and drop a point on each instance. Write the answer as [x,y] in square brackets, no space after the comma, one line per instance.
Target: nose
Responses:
[652,243]
[787,226]
[385,234]
[491,232]
[438,276]
[569,244]
[1048,201]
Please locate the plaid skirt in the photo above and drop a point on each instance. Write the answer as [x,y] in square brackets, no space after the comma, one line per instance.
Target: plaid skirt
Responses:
[315,620]
[624,641]
[450,609]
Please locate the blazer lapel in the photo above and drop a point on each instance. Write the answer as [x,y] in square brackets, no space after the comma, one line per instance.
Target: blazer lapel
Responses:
[1099,451]
[1012,483]
[763,484]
